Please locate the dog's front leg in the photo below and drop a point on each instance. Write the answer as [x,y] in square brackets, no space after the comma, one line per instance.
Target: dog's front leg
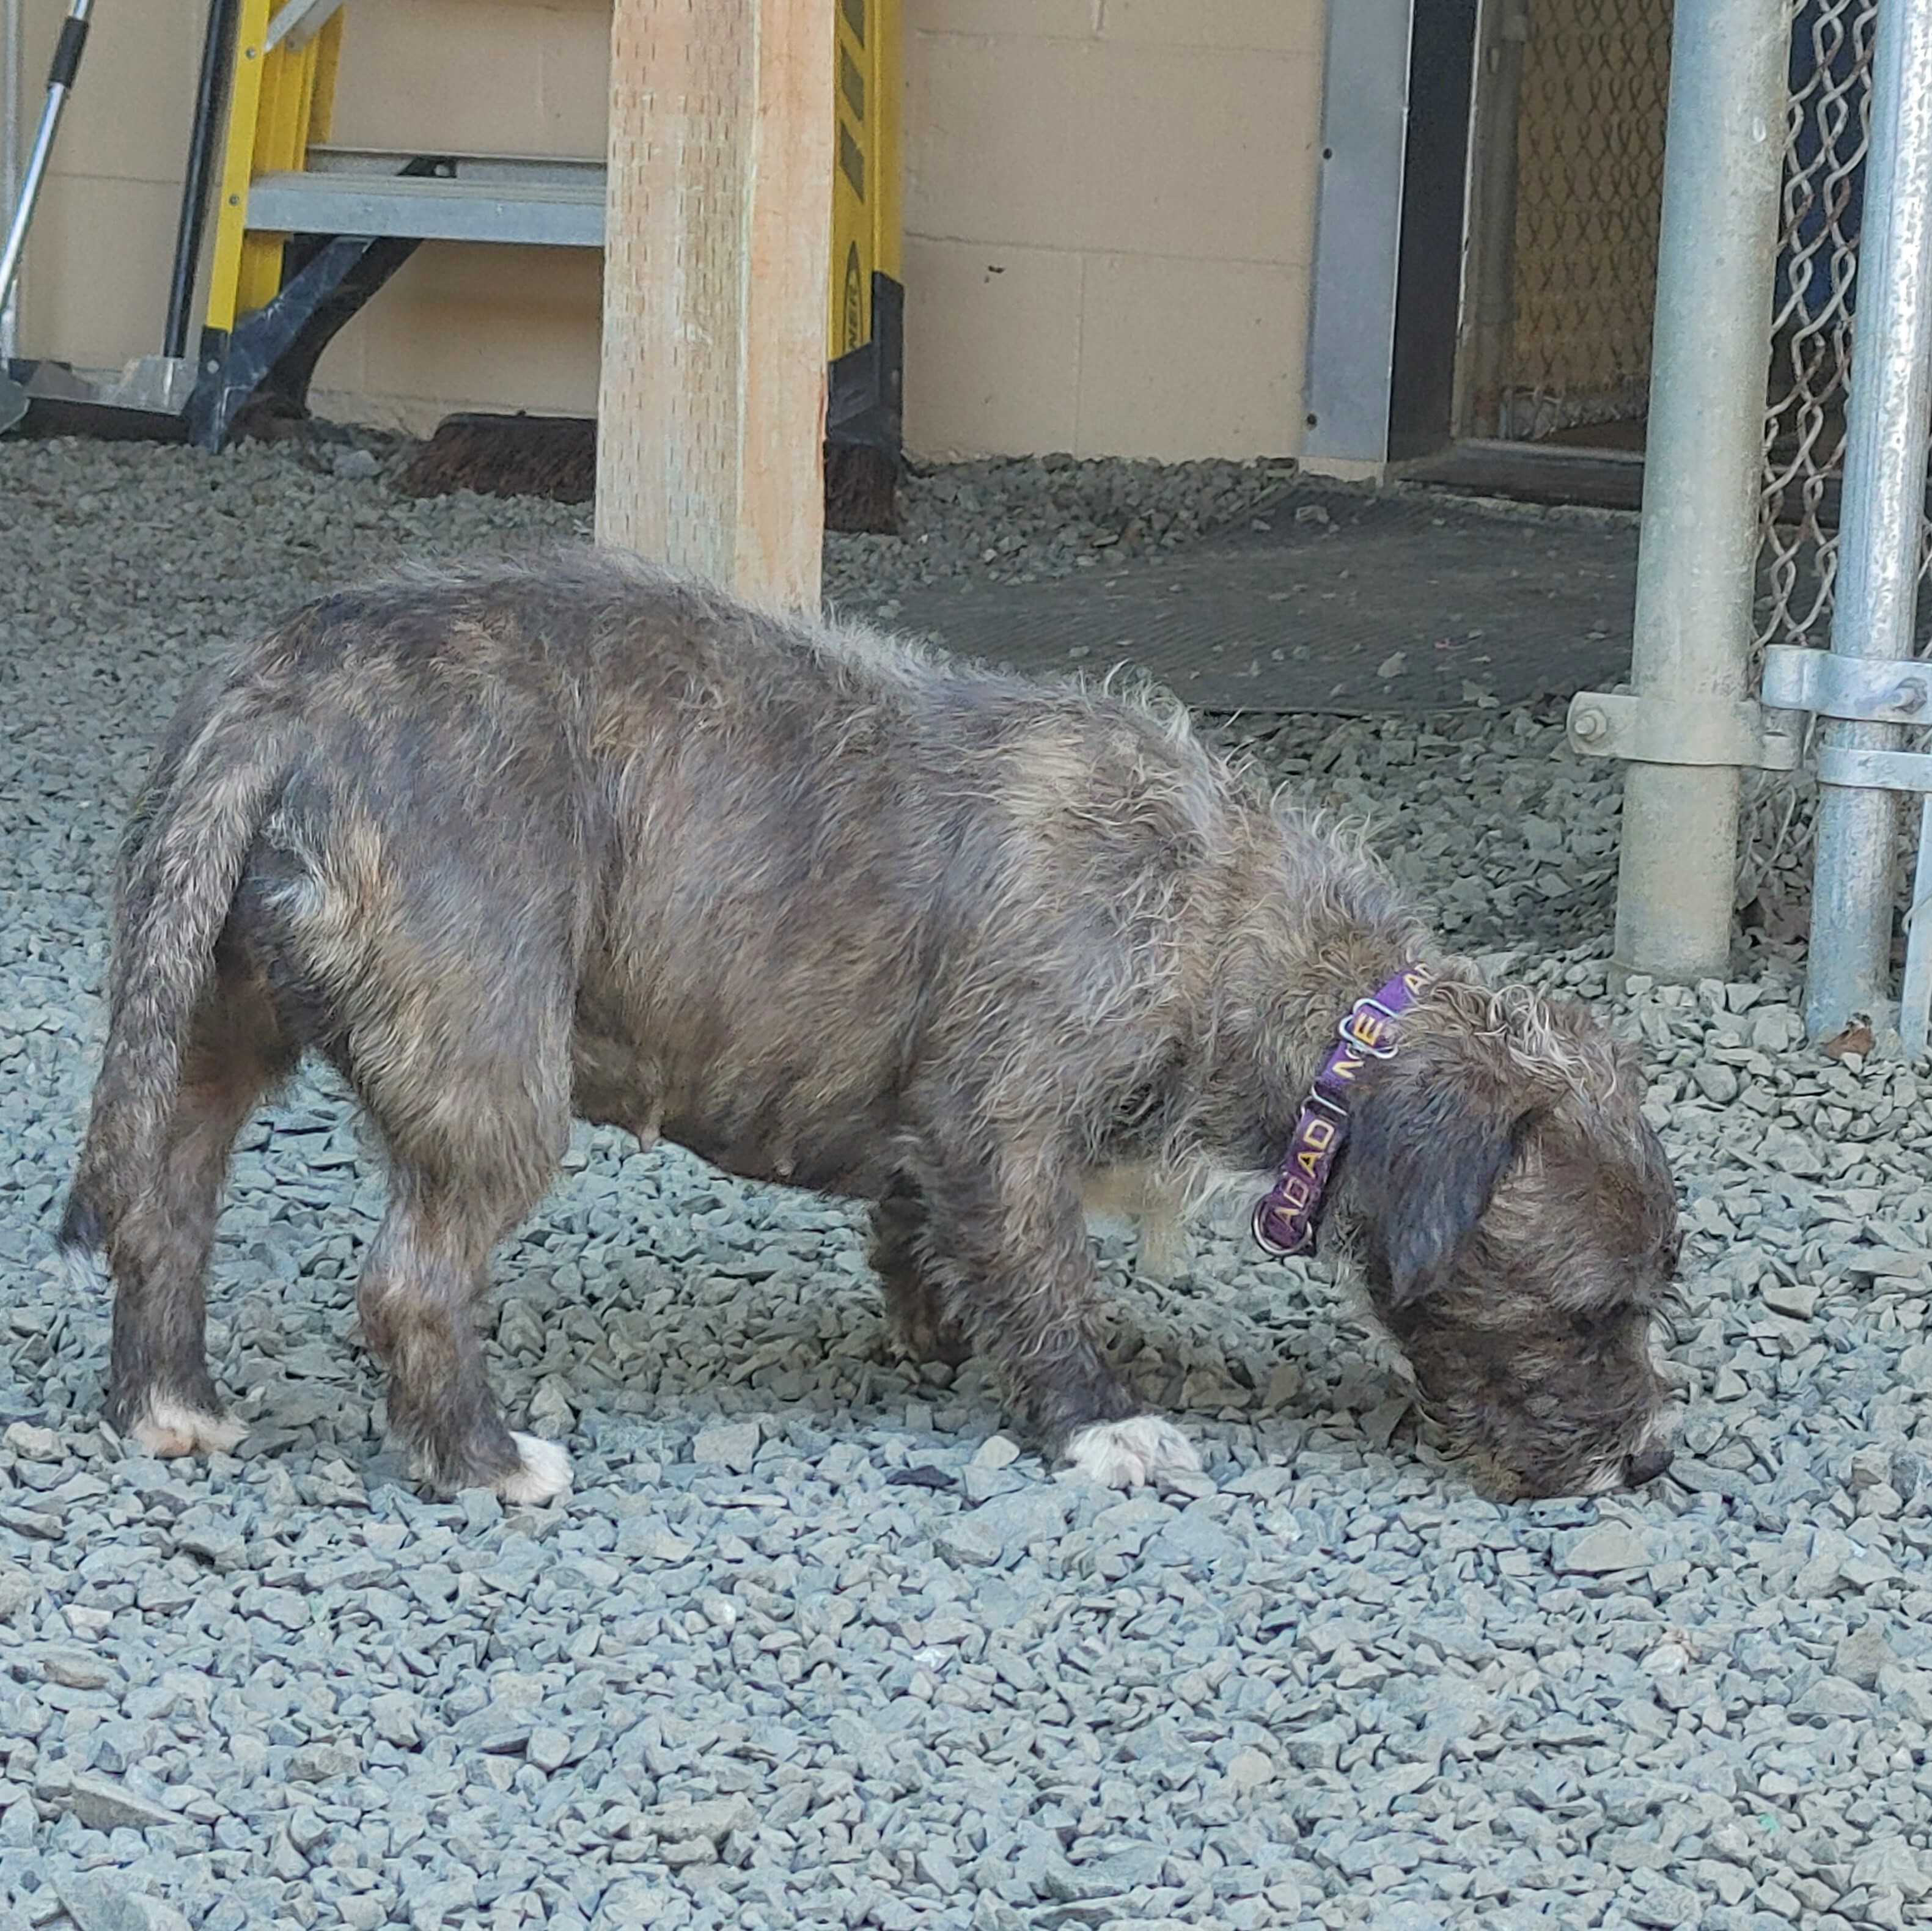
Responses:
[1006,1246]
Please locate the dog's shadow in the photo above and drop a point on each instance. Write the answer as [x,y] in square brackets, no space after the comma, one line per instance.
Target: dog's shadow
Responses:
[665,1336]
[627,1309]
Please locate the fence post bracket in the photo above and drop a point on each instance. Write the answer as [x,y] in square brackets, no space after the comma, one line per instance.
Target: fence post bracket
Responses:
[1688,731]
[1873,691]
[1870,690]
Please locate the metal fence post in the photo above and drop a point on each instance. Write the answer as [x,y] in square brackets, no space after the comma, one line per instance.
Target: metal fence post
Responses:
[1853,889]
[1691,725]
[10,97]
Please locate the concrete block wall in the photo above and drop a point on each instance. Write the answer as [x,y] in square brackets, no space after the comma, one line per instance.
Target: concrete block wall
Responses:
[1109,213]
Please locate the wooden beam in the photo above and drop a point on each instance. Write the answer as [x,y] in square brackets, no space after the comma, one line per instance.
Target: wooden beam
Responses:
[711,409]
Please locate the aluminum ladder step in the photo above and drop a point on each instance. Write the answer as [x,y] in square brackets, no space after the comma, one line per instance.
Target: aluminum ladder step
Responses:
[531,200]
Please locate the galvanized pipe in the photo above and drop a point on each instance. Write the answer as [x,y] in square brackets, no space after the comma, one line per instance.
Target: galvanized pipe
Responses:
[1723,155]
[60,85]
[1853,886]
[13,56]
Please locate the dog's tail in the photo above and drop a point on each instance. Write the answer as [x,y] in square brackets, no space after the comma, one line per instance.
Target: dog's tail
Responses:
[212,785]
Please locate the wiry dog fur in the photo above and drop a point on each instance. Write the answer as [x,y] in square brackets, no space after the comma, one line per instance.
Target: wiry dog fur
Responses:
[515,843]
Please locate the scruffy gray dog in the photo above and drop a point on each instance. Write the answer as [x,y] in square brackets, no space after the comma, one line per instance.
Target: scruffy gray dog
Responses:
[513,843]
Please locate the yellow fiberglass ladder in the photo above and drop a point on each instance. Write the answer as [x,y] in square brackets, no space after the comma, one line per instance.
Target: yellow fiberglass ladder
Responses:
[306,232]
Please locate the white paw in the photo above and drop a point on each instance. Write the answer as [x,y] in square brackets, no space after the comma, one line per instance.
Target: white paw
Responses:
[84,1273]
[170,1428]
[1129,1454]
[544,1475]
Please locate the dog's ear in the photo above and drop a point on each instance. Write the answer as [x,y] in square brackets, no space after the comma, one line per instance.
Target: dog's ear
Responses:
[1429,1139]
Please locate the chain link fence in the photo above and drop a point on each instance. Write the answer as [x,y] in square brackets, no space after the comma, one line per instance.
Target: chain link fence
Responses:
[1587,95]
[1827,134]
[1589,187]
[1828,131]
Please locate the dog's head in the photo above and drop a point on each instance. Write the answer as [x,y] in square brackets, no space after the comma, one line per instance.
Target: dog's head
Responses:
[1516,1223]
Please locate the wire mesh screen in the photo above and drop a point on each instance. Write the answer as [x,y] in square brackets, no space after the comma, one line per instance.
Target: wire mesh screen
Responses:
[1828,130]
[1589,188]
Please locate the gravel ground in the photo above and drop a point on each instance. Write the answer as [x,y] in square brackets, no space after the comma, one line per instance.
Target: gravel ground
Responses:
[813,1643]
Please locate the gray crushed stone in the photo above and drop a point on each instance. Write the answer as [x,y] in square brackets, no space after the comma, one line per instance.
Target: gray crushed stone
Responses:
[1041,518]
[815,1642]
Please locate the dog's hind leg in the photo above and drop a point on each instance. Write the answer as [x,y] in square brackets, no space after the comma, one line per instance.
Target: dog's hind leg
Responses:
[1008,1254]
[914,1309]
[425,1274]
[161,1394]
[474,1106]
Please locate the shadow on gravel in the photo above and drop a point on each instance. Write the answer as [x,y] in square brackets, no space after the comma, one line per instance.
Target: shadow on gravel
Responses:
[1404,602]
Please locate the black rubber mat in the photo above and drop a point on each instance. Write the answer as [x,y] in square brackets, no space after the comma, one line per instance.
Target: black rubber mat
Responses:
[1401,601]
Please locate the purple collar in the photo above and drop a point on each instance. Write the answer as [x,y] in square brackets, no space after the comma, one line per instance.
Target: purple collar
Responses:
[1286,1216]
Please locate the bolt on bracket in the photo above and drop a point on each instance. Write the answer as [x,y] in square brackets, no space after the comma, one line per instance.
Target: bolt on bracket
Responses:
[1678,730]
[1867,690]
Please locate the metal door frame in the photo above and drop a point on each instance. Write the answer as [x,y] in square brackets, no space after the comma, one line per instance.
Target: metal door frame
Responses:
[1391,227]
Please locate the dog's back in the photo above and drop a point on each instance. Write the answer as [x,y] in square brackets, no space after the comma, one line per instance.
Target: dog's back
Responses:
[790,882]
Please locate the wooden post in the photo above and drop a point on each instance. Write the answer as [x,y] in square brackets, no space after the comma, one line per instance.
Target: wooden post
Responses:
[711,409]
